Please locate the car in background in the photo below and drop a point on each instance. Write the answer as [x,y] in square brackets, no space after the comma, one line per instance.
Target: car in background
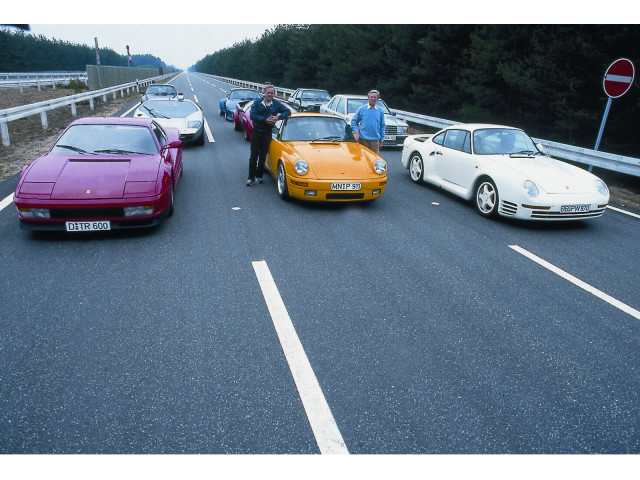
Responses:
[346,106]
[228,103]
[160,90]
[308,99]
[182,114]
[242,118]
[314,157]
[503,172]
[102,173]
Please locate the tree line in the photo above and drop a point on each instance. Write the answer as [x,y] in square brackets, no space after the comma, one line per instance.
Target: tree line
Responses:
[546,79]
[24,52]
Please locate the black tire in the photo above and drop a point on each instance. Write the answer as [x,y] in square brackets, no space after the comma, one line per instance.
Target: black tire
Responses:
[416,168]
[246,133]
[283,189]
[486,199]
[171,201]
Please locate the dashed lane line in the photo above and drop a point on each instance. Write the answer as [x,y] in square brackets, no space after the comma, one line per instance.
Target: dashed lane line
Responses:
[318,412]
[577,282]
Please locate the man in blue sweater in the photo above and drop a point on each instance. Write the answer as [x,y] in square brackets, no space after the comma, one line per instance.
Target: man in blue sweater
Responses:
[264,115]
[368,124]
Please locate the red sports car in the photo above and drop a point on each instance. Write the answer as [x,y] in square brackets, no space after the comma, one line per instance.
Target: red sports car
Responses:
[242,118]
[102,173]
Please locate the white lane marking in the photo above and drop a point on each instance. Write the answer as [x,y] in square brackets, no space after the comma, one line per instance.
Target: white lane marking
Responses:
[6,202]
[318,412]
[195,98]
[577,282]
[631,214]
[131,109]
[208,131]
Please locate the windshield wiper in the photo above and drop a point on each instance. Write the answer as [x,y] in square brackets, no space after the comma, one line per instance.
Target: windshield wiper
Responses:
[154,113]
[75,149]
[331,138]
[118,151]
[524,152]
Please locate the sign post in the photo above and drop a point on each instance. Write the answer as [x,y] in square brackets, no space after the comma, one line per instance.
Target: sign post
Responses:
[98,61]
[617,80]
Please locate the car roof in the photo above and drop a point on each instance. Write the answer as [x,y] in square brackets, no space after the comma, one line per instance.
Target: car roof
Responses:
[112,121]
[479,126]
[162,85]
[314,114]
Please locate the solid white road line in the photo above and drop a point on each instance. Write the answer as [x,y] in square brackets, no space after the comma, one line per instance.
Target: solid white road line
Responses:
[631,214]
[195,98]
[208,131]
[577,282]
[318,412]
[131,109]
[6,202]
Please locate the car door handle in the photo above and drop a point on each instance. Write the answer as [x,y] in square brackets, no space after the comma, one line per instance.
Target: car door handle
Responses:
[436,152]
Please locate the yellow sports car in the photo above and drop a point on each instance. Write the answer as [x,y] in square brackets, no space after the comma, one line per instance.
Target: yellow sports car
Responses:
[314,156]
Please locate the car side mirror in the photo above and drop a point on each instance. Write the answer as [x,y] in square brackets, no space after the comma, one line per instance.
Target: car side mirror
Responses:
[174,144]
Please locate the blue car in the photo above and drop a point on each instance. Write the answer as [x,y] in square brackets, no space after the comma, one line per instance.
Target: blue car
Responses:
[228,103]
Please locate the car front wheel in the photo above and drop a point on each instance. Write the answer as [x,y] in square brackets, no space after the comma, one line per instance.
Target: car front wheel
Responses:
[283,190]
[486,198]
[416,168]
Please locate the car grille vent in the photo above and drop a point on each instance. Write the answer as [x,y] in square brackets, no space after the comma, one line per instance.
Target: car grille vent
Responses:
[569,215]
[86,213]
[345,196]
[390,129]
[508,208]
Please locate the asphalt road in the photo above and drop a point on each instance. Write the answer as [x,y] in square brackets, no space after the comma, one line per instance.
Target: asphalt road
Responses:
[426,328]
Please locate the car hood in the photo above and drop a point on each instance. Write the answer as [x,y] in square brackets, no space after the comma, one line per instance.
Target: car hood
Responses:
[333,161]
[91,177]
[554,176]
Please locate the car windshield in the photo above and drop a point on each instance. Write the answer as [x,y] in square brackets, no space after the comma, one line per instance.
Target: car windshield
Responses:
[169,108]
[308,129]
[244,95]
[317,95]
[502,141]
[161,90]
[354,104]
[106,139]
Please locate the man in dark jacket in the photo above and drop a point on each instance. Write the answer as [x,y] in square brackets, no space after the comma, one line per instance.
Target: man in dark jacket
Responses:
[264,115]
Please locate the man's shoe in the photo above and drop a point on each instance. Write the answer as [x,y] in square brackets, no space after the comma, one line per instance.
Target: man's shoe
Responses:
[258,180]
[249,183]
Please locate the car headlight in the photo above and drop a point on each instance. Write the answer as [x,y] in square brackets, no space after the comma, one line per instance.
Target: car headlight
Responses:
[602,188]
[531,189]
[301,167]
[380,166]
[403,129]
[138,211]
[194,124]
[39,213]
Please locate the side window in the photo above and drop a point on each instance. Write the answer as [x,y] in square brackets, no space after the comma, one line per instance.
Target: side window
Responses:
[159,133]
[439,139]
[276,129]
[466,146]
[456,139]
[340,107]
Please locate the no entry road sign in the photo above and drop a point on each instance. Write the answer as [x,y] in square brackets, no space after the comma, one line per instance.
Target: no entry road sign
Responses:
[618,78]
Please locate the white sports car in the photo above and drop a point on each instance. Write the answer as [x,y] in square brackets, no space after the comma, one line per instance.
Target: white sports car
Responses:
[179,113]
[504,173]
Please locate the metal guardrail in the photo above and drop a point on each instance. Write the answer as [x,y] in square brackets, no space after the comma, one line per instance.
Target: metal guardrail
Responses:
[25,79]
[593,158]
[15,113]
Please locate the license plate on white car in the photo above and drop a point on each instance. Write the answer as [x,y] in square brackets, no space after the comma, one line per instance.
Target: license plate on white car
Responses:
[346,186]
[574,208]
[390,137]
[92,226]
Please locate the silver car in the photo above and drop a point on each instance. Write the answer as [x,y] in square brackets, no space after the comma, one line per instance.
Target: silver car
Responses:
[179,113]
[345,106]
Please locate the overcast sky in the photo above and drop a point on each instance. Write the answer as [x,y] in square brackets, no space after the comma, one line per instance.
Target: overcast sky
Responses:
[178,45]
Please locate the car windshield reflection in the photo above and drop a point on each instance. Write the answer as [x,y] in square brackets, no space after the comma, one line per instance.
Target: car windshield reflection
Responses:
[106,139]
[502,141]
[169,108]
[355,103]
[308,129]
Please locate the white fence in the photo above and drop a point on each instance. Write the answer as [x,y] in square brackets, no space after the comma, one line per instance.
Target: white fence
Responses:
[42,108]
[593,158]
[26,79]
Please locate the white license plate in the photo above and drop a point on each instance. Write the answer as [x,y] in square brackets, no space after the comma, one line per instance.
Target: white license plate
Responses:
[346,186]
[390,137]
[91,226]
[574,208]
